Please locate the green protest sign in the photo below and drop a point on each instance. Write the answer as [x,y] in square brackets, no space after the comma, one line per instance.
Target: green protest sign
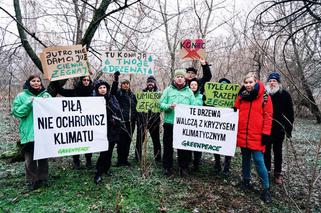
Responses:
[221,94]
[148,101]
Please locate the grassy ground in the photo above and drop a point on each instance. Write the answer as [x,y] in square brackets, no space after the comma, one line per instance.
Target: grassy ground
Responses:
[126,191]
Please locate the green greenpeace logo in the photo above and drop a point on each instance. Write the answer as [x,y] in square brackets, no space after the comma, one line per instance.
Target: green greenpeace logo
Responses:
[200,145]
[71,150]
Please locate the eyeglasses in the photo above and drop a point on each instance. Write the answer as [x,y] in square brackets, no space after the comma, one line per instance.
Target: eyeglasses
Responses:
[85,79]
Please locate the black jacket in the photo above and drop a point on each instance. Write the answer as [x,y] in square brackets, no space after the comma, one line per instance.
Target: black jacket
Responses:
[113,118]
[79,91]
[127,101]
[283,115]
[207,76]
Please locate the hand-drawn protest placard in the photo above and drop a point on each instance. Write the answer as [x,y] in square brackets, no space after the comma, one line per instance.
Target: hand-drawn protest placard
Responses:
[69,126]
[127,62]
[63,62]
[221,94]
[192,49]
[205,129]
[148,101]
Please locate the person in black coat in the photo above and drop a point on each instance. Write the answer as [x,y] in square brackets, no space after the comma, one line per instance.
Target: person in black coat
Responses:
[102,88]
[191,73]
[83,88]
[283,118]
[148,121]
[127,101]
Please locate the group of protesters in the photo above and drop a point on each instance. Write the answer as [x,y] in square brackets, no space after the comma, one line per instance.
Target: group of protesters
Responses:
[265,119]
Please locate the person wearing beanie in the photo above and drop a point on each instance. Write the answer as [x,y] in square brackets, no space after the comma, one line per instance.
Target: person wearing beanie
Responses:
[83,88]
[227,159]
[102,88]
[207,75]
[36,170]
[127,102]
[283,118]
[149,121]
[177,93]
[254,128]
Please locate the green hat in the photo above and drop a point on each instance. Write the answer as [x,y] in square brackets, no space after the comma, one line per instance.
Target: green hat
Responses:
[125,80]
[179,72]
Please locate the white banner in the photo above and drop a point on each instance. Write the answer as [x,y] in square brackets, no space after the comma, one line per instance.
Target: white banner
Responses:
[69,126]
[128,62]
[205,129]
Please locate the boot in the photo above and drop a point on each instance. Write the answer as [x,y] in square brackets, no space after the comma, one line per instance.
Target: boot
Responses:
[89,164]
[266,196]
[227,163]
[217,168]
[183,172]
[97,179]
[246,185]
[76,164]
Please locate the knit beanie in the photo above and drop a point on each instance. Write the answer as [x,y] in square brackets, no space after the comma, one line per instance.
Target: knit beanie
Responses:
[224,80]
[191,69]
[179,72]
[274,75]
[151,79]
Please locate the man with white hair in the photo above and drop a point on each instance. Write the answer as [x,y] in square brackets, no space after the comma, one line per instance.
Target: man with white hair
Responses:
[283,117]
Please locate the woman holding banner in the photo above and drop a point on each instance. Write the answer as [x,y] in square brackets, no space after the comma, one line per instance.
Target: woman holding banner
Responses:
[102,88]
[177,93]
[254,128]
[36,170]
[83,88]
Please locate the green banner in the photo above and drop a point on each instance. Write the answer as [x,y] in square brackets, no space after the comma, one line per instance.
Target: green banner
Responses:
[221,94]
[148,101]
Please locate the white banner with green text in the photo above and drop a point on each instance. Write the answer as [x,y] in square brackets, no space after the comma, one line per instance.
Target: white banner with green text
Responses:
[205,129]
[69,126]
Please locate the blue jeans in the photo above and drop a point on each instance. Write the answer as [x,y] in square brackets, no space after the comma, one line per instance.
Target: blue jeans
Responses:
[258,158]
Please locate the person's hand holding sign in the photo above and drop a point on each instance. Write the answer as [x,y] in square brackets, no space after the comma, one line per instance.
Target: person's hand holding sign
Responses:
[172,106]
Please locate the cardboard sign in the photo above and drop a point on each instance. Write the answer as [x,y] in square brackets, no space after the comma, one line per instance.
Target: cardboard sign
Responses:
[69,126]
[205,129]
[128,62]
[192,49]
[148,101]
[221,94]
[63,62]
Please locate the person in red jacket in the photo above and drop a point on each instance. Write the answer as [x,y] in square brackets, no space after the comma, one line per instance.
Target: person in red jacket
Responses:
[254,128]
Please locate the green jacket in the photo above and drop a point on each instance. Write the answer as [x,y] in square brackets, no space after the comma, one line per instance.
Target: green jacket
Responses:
[22,109]
[173,95]
[198,99]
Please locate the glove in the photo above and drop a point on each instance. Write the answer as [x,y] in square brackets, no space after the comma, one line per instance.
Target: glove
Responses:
[234,108]
[265,139]
[116,75]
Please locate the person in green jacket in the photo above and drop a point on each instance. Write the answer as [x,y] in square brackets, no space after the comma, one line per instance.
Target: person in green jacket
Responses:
[193,84]
[36,170]
[177,93]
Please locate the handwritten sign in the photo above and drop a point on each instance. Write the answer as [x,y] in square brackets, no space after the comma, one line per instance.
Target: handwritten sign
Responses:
[205,129]
[221,94]
[128,62]
[69,126]
[63,62]
[192,49]
[148,101]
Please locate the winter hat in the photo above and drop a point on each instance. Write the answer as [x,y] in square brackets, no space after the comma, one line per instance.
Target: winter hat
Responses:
[125,80]
[151,79]
[191,69]
[99,83]
[224,80]
[274,75]
[179,72]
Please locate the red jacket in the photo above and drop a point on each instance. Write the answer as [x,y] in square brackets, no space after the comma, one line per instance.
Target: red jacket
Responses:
[255,119]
